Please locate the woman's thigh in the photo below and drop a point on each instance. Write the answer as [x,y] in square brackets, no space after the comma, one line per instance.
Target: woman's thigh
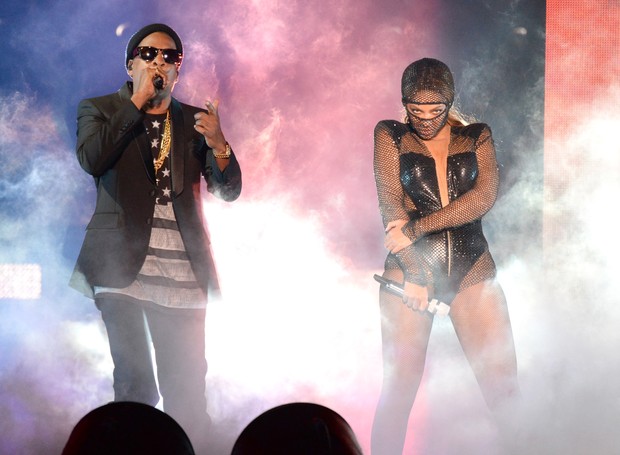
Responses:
[482,323]
[405,332]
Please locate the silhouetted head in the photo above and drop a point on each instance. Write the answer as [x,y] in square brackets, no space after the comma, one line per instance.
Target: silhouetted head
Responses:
[300,429]
[124,428]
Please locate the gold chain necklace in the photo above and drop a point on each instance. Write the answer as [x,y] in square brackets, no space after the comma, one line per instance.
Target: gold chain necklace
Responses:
[164,150]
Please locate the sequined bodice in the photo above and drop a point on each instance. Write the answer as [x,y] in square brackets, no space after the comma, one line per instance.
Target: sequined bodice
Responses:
[419,178]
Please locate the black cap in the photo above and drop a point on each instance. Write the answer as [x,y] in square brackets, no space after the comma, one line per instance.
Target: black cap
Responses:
[146,31]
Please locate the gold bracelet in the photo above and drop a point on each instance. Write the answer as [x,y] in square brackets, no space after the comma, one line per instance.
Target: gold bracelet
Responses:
[226,154]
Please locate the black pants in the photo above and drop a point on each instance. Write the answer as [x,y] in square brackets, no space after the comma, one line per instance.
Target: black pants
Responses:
[178,338]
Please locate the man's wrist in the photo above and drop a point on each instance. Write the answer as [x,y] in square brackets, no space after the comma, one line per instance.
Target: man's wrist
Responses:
[223,152]
[139,100]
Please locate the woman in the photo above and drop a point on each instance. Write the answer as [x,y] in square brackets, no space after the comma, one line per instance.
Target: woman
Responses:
[436,177]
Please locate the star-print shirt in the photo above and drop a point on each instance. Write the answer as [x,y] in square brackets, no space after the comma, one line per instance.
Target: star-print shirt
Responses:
[166,278]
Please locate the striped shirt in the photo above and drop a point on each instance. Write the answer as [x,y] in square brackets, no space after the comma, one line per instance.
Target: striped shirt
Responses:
[166,278]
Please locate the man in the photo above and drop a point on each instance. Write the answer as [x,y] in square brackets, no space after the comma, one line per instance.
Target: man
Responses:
[145,258]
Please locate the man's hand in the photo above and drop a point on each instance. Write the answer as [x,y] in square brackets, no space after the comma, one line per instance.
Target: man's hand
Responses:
[207,123]
[143,88]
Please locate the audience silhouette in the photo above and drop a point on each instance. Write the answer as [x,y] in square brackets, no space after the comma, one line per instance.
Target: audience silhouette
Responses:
[124,428]
[129,428]
[299,429]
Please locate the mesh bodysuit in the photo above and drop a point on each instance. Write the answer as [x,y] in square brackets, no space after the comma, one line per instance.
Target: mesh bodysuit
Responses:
[449,251]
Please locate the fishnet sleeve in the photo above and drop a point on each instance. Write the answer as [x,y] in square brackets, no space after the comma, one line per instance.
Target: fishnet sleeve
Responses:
[471,205]
[394,204]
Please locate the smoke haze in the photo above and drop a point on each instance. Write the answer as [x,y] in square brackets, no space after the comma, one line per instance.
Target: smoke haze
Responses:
[301,87]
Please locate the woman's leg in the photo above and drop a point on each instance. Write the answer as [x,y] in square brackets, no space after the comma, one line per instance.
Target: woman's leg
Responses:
[480,317]
[405,334]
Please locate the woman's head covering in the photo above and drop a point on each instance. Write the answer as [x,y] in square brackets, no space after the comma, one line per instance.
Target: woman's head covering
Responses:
[428,81]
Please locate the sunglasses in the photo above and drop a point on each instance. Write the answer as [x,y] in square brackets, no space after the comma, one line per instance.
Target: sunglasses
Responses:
[148,53]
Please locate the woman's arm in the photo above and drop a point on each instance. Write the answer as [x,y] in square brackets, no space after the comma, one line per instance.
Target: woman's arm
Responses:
[471,205]
[394,205]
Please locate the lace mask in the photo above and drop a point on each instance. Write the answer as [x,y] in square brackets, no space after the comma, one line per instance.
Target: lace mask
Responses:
[427,81]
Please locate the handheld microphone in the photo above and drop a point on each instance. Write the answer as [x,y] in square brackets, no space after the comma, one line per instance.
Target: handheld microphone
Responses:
[434,306]
[158,82]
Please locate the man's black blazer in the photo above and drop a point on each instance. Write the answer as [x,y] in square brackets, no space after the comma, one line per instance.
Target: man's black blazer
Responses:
[113,148]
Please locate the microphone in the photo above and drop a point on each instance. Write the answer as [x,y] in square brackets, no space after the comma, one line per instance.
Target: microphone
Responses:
[158,82]
[434,306]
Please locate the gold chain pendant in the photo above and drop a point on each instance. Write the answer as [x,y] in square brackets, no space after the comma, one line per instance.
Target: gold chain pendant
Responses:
[164,150]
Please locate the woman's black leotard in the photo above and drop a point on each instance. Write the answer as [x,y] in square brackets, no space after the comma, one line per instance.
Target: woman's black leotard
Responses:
[449,251]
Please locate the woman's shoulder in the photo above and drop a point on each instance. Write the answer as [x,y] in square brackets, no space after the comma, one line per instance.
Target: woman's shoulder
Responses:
[394,127]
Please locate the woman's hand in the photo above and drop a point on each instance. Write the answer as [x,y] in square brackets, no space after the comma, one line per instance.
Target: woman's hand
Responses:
[416,296]
[395,240]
